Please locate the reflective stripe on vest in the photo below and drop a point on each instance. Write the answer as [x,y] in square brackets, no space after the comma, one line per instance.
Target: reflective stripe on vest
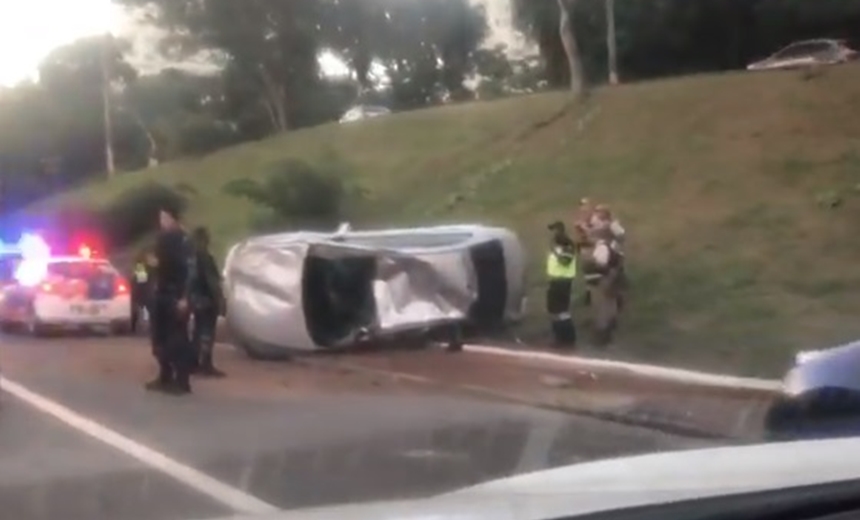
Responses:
[140,275]
[555,269]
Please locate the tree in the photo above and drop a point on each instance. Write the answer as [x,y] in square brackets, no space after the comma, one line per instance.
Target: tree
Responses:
[269,46]
[568,41]
[85,73]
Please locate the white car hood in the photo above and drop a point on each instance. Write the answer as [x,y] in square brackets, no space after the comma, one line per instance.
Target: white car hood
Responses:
[619,483]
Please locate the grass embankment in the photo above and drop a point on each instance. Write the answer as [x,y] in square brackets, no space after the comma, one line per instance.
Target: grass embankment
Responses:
[725,183]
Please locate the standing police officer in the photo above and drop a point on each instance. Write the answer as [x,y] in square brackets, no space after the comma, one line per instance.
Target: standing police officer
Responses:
[176,271]
[207,303]
[561,271]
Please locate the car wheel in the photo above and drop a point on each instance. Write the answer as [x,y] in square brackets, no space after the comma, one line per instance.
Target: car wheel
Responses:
[8,327]
[121,329]
[36,329]
[33,327]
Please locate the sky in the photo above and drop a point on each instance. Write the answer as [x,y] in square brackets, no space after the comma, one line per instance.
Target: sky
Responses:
[31,29]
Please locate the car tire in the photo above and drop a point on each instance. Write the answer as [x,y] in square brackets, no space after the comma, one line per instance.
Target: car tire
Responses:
[8,327]
[36,329]
[120,329]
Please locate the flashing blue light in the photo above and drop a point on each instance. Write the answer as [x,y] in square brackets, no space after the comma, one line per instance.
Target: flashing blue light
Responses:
[35,254]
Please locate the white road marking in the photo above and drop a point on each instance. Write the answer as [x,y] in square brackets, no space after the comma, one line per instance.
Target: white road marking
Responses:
[229,496]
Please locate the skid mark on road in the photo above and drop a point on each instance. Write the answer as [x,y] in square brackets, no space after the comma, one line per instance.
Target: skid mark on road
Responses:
[230,496]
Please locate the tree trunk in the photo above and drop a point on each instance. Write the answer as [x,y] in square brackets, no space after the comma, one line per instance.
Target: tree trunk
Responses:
[611,43]
[275,101]
[568,40]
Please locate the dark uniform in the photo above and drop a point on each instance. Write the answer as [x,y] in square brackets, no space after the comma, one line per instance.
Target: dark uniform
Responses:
[207,302]
[177,266]
[561,272]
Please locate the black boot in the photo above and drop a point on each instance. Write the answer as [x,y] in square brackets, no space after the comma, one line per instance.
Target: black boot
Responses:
[207,368]
[182,385]
[564,333]
[164,381]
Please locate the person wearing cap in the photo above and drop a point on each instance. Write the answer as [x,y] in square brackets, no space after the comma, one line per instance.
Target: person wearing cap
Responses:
[177,265]
[561,272]
[207,303]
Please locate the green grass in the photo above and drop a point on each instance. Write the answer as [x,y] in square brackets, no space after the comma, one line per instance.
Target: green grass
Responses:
[726,184]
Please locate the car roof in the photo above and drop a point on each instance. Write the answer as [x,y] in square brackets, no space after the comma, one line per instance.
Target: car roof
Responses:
[72,259]
[814,40]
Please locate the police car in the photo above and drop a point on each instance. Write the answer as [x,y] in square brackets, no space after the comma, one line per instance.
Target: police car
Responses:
[51,293]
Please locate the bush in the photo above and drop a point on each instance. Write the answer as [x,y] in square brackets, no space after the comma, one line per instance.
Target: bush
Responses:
[301,194]
[134,213]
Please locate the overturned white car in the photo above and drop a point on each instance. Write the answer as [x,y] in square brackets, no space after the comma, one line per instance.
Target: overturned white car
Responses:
[821,396]
[308,291]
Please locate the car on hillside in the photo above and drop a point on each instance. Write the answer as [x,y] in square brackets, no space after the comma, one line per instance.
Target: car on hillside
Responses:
[63,292]
[311,291]
[359,112]
[807,53]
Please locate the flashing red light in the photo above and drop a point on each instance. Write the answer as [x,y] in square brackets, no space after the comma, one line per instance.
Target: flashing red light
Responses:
[85,252]
[120,287]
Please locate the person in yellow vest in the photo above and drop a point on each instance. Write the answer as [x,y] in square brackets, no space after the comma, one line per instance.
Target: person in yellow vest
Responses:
[139,285]
[561,272]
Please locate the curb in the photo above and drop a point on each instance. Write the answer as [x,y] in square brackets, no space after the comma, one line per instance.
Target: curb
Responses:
[670,374]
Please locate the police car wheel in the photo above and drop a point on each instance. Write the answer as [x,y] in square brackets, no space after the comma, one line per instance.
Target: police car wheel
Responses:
[120,329]
[36,329]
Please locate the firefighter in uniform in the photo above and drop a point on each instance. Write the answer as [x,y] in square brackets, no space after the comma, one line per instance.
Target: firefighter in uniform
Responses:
[177,266]
[604,283]
[561,272]
[207,303]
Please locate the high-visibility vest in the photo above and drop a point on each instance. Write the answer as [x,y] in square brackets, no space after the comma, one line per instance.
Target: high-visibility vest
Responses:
[556,269]
[140,274]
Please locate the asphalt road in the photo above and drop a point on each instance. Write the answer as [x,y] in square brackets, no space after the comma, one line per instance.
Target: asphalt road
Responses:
[88,446]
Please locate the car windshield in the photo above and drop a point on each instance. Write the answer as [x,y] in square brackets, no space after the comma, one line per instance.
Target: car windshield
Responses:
[803,49]
[266,256]
[79,268]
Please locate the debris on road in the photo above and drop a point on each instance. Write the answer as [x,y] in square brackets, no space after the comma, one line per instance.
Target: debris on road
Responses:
[698,410]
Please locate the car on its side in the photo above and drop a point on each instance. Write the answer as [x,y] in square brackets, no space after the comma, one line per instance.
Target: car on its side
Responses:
[807,53]
[359,112]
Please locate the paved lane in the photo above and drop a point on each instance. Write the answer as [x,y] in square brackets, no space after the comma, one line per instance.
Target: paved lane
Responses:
[304,448]
[48,472]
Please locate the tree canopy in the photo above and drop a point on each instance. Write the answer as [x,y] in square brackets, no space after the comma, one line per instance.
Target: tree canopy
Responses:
[267,74]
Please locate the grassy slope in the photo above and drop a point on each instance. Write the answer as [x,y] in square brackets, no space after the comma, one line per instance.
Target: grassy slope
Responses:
[734,262]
